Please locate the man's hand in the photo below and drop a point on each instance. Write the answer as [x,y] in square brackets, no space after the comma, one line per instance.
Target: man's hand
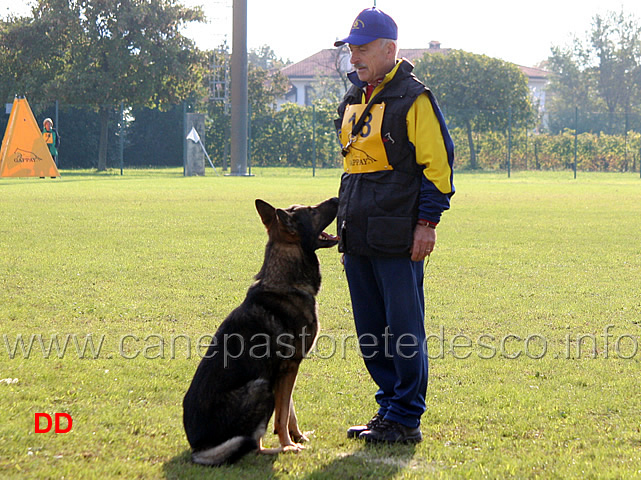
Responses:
[424,241]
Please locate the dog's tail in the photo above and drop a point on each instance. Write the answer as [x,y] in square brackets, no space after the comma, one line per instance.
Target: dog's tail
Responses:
[228,452]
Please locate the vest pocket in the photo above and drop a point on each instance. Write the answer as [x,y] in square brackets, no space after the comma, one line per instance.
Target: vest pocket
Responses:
[390,235]
[395,193]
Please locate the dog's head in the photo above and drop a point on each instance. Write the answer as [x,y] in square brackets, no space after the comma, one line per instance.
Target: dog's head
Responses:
[300,224]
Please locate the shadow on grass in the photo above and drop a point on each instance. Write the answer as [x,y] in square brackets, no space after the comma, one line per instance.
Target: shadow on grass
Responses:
[375,462]
[250,466]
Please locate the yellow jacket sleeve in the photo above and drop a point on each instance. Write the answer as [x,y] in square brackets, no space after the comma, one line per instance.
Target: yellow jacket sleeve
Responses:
[424,132]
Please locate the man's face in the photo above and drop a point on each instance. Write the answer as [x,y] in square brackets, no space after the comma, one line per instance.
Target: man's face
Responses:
[373,60]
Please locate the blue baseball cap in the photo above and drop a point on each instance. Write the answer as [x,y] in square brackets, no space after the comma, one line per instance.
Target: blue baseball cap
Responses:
[370,24]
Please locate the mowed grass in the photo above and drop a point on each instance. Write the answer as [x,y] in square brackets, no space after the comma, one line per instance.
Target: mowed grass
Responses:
[534,317]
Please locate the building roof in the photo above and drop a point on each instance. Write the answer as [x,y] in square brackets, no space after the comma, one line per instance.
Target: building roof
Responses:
[532,72]
[413,54]
[320,64]
[325,63]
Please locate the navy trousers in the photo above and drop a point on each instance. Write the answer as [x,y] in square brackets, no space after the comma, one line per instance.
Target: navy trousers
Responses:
[389,311]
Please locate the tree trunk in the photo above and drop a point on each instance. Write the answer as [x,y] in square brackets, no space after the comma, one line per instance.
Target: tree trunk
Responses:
[102,146]
[470,140]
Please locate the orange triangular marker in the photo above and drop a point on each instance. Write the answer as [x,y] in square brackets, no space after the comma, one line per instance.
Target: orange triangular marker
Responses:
[24,152]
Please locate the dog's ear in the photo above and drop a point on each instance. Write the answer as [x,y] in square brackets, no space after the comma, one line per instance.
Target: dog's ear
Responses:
[266,211]
[286,220]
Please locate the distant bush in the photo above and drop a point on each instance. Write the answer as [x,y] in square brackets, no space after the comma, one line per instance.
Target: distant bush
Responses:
[594,151]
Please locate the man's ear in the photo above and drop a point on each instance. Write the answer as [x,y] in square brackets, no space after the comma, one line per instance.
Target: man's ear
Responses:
[266,211]
[391,49]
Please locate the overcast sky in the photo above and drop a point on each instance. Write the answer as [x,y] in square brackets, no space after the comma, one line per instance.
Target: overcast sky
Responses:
[517,31]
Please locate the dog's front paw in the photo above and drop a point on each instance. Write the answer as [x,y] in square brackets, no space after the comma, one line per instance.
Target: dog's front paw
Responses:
[293,448]
[300,437]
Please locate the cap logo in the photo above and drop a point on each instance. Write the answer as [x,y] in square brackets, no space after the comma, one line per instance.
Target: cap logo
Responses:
[358,24]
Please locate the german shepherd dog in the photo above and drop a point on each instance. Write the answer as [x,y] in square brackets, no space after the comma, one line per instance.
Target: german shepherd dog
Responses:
[250,368]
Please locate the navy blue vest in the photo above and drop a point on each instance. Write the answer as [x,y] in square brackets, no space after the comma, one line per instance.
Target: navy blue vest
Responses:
[378,210]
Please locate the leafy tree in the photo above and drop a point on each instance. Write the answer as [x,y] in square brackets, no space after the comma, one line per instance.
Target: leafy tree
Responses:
[265,85]
[265,58]
[103,52]
[601,72]
[571,86]
[477,93]
[33,51]
[287,139]
[616,43]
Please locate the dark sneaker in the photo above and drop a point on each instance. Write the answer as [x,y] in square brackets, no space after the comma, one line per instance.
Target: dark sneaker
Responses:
[356,430]
[387,431]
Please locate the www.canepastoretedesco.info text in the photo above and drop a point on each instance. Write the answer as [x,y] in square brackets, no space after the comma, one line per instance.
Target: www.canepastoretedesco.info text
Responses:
[438,345]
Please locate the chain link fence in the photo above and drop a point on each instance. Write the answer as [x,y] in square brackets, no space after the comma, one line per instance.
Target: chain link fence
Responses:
[304,136]
[574,140]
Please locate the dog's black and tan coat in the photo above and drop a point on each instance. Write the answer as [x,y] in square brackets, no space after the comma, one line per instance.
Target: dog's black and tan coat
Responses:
[250,368]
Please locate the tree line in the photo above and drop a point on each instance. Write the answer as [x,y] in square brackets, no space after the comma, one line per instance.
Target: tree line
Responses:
[599,73]
[97,55]
[127,69]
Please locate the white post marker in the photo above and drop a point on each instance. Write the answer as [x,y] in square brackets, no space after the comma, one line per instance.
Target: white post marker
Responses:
[194,137]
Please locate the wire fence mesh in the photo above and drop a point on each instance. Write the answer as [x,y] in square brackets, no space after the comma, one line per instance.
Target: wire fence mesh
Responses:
[304,136]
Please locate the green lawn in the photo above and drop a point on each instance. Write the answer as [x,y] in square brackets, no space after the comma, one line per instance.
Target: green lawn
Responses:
[534,316]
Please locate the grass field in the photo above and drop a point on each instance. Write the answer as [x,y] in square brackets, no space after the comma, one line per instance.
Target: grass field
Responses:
[110,285]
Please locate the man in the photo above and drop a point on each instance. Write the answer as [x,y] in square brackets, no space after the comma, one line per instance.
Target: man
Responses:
[52,139]
[398,180]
